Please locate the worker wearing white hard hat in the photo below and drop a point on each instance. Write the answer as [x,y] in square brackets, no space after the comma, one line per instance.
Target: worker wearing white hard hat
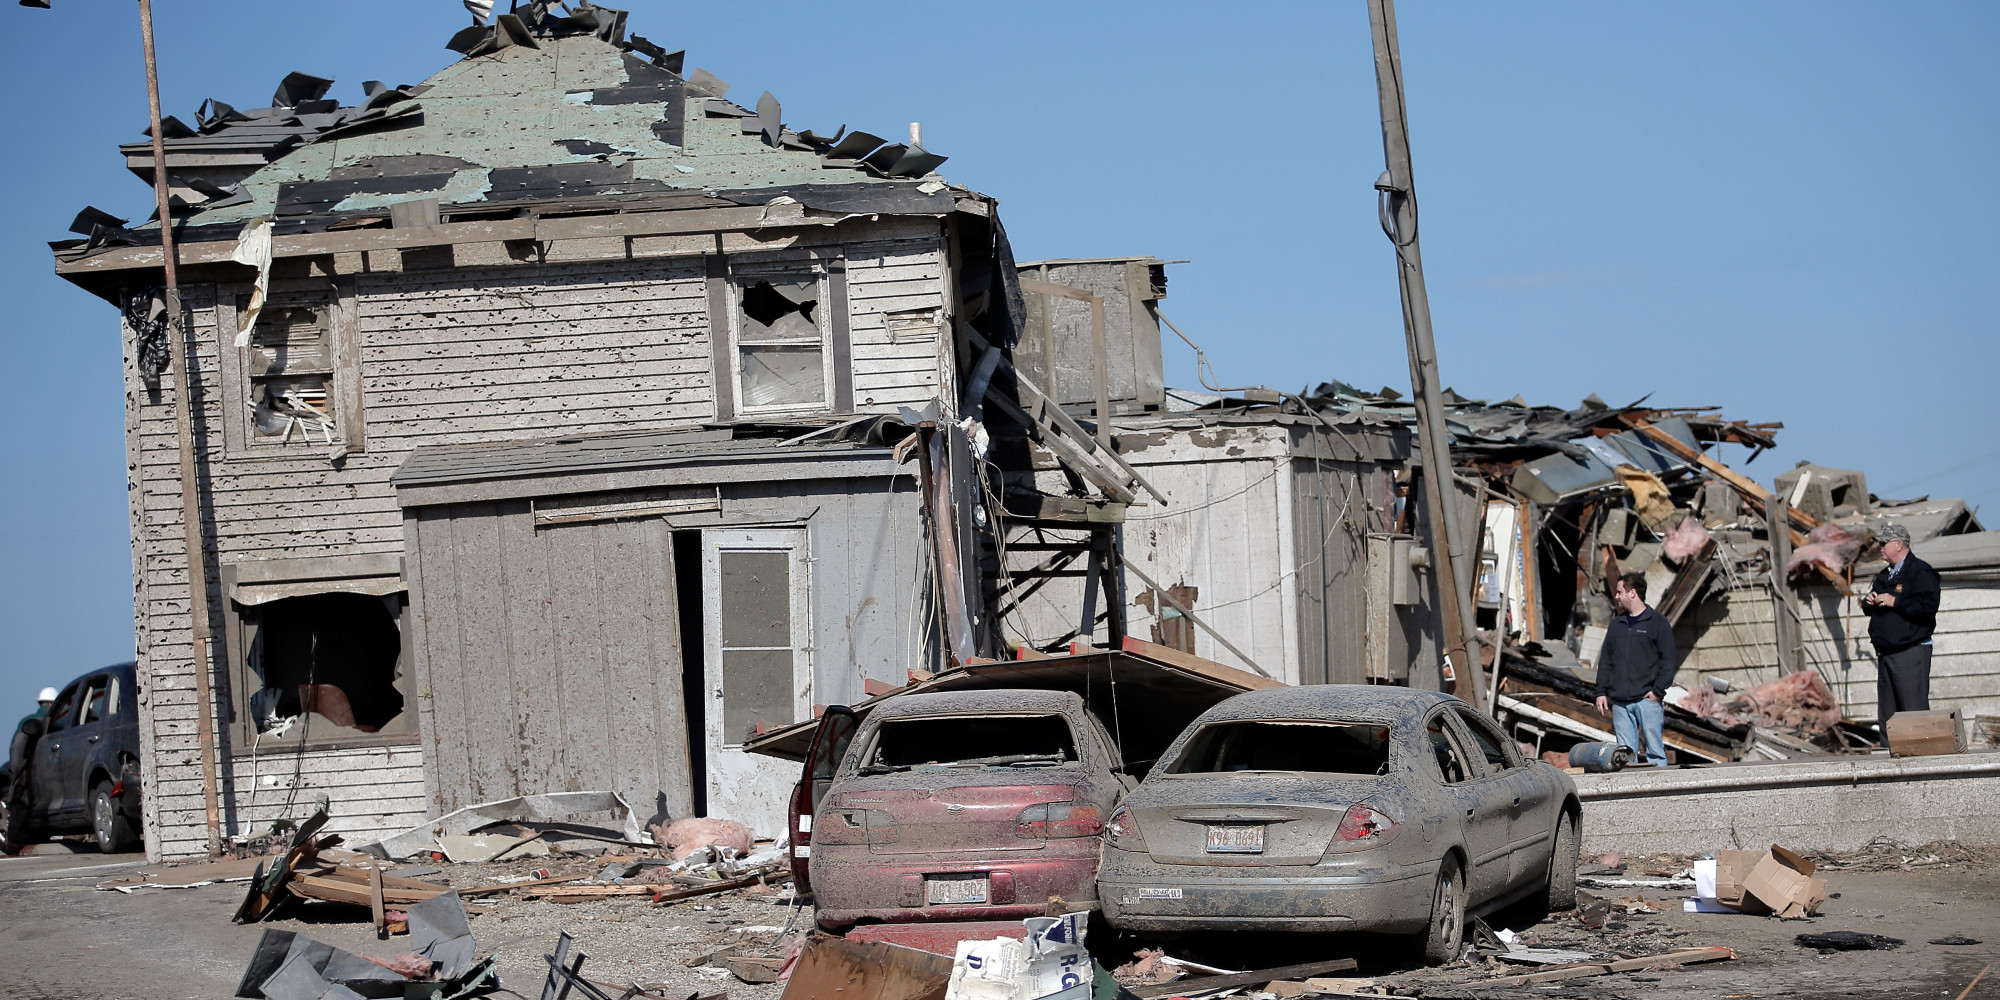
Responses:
[26,732]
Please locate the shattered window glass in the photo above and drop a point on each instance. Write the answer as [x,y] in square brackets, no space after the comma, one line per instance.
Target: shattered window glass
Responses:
[1016,741]
[1316,747]
[781,352]
[757,654]
[290,367]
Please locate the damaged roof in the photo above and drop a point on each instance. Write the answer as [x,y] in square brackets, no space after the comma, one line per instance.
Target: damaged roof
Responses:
[561,113]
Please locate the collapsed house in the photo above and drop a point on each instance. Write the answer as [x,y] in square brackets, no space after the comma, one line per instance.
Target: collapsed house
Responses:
[1763,585]
[562,424]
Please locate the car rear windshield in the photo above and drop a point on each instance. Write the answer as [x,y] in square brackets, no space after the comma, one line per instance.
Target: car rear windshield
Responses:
[1322,747]
[972,741]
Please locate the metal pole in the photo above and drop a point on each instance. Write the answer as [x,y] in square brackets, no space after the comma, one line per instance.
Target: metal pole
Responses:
[197,554]
[1398,196]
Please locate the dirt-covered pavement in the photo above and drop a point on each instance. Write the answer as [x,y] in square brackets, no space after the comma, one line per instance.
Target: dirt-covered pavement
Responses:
[60,937]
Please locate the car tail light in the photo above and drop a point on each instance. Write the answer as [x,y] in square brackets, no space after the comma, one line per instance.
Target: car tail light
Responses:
[1059,820]
[1362,827]
[1122,831]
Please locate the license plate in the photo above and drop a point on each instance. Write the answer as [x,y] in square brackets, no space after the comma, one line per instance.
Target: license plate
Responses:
[1236,839]
[955,890]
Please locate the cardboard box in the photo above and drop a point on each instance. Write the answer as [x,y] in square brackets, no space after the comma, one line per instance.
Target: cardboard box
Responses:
[1923,734]
[1732,869]
[1783,882]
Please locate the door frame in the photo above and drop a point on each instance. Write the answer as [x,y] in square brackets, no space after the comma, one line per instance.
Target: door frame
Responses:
[738,782]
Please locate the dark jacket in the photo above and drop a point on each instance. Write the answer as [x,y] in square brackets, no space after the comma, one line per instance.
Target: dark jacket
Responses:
[1914,617]
[1638,657]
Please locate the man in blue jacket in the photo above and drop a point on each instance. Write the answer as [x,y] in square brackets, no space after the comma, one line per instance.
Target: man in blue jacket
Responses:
[1634,669]
[1902,612]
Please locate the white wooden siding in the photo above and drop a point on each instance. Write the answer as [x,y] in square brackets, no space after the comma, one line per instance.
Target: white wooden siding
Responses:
[1734,639]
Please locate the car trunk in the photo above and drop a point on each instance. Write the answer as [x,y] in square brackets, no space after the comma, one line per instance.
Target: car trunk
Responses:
[966,813]
[1248,818]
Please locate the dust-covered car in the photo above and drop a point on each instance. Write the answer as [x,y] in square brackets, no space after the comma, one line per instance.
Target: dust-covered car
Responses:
[964,805]
[1340,808]
[80,769]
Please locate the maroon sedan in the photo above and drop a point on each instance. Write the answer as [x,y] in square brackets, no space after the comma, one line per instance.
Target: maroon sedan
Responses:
[972,805]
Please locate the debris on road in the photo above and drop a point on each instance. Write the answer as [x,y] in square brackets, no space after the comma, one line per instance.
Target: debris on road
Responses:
[1832,941]
[1049,961]
[867,970]
[290,966]
[556,808]
[1955,940]
[1777,882]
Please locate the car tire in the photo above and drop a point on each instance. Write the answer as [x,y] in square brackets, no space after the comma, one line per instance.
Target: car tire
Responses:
[113,829]
[1562,865]
[1444,940]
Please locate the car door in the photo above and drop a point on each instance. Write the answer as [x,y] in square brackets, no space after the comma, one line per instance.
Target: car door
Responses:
[94,725]
[52,794]
[1530,827]
[831,739]
[1481,802]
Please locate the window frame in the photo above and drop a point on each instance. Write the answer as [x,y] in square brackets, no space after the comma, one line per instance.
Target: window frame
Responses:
[239,631]
[1475,764]
[727,279]
[1510,754]
[740,283]
[336,305]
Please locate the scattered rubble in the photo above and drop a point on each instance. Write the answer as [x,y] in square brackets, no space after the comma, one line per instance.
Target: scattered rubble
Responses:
[1832,941]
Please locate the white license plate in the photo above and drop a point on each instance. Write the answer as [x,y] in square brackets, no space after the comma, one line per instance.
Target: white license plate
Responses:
[1236,839]
[955,890]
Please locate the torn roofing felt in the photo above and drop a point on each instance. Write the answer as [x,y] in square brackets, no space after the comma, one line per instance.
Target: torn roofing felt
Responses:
[556,115]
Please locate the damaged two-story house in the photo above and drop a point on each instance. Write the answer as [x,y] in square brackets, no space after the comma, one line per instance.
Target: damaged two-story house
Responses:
[560,424]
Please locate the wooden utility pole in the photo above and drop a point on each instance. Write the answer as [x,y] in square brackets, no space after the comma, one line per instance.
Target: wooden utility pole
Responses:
[1451,561]
[197,550]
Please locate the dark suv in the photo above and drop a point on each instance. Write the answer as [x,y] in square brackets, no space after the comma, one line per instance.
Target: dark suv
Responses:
[82,773]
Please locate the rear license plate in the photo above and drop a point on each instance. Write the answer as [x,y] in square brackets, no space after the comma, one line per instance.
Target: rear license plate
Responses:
[946,891]
[1236,839]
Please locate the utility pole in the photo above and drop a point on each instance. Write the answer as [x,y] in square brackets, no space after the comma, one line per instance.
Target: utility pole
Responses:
[197,551]
[1397,193]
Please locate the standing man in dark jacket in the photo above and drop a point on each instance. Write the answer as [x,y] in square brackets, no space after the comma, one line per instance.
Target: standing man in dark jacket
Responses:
[1635,668]
[1902,612]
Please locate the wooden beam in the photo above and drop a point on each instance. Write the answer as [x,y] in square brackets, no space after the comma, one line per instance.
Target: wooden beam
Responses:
[748,218]
[1753,493]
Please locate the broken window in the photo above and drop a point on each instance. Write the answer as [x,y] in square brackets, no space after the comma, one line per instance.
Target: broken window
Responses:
[781,344]
[972,741]
[99,700]
[1319,747]
[1450,760]
[332,655]
[289,369]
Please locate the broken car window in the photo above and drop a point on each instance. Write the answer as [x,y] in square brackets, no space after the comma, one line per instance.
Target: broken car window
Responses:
[1450,762]
[1317,747]
[330,654]
[781,355]
[1021,741]
[757,656]
[63,710]
[96,701]
[1487,742]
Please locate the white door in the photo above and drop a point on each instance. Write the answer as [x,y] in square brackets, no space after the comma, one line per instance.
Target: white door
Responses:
[756,586]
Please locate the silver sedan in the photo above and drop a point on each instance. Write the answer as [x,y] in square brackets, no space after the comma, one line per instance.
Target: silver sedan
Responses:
[1340,808]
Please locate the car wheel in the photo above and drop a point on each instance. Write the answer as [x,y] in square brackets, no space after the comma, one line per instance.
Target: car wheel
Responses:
[114,831]
[1446,937]
[1562,865]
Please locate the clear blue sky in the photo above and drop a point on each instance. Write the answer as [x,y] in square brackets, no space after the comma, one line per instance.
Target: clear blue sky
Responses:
[1787,209]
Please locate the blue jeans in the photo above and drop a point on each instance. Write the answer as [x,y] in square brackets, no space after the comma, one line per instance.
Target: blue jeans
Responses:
[1645,717]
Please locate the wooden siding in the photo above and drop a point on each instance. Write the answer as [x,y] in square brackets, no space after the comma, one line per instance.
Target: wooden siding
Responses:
[548,658]
[470,355]
[893,285]
[551,655]
[1733,638]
